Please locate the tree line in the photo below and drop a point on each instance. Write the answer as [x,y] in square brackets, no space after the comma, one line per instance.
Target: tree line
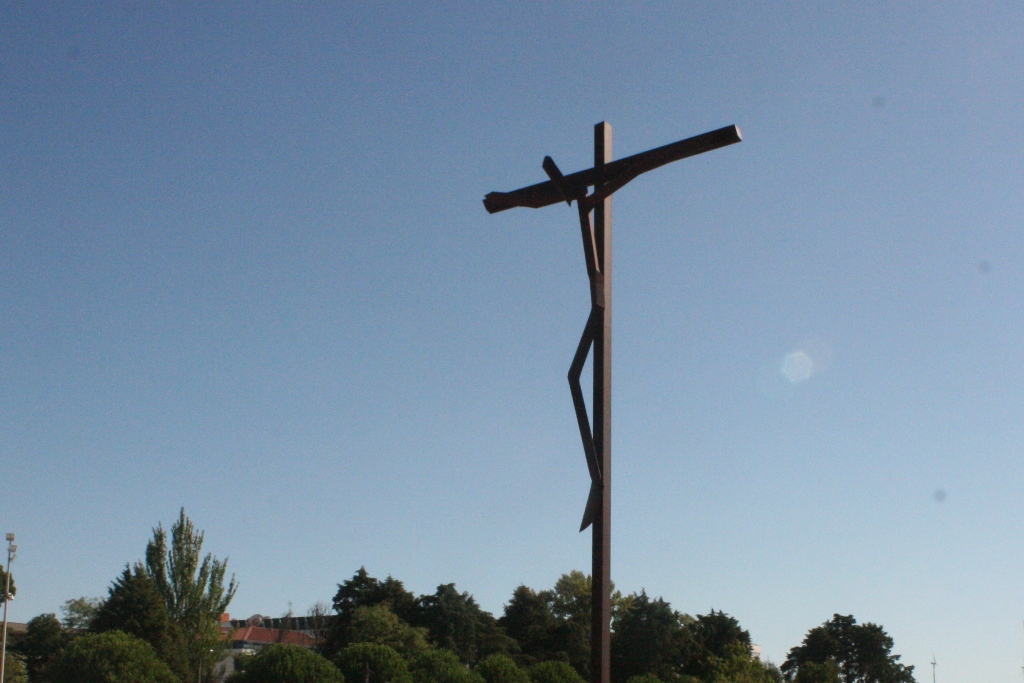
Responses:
[160,623]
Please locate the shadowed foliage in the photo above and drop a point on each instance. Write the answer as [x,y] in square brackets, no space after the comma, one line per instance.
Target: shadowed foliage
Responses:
[456,622]
[553,672]
[363,590]
[378,624]
[15,670]
[862,653]
[501,669]
[43,641]
[288,664]
[650,638]
[136,607]
[441,666]
[372,663]
[111,657]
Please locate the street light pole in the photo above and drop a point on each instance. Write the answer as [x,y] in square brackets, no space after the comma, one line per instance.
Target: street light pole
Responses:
[11,548]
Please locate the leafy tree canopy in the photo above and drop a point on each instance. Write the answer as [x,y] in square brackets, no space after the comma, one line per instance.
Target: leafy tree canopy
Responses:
[111,657]
[570,598]
[553,672]
[714,638]
[43,640]
[649,638]
[528,619]
[716,632]
[441,666]
[15,670]
[3,585]
[372,663]
[136,607]
[739,667]
[378,624]
[646,678]
[78,612]
[363,590]
[501,669]
[193,589]
[288,664]
[449,619]
[818,672]
[457,623]
[861,652]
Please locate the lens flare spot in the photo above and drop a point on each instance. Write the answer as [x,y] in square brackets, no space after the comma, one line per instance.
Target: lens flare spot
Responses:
[797,367]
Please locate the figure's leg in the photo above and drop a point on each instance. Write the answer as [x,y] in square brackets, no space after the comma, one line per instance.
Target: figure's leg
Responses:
[586,434]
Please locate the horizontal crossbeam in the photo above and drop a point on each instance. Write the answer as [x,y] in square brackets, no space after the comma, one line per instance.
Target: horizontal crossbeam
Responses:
[616,173]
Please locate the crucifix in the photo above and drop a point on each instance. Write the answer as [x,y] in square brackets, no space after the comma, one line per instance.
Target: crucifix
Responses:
[605,177]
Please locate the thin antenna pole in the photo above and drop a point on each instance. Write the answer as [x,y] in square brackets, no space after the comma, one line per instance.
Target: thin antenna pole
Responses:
[933,667]
[7,598]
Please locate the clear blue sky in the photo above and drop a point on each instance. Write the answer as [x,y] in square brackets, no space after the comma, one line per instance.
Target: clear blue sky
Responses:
[244,269]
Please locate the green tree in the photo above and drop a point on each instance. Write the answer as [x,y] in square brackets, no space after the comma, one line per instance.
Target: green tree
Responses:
[136,607]
[714,637]
[554,624]
[288,664]
[529,620]
[570,598]
[111,657]
[372,663]
[193,590]
[818,672]
[646,678]
[441,666]
[457,623]
[553,672]
[738,666]
[42,643]
[649,638]
[15,670]
[378,624]
[363,590]
[3,584]
[862,653]
[570,603]
[501,669]
[78,612]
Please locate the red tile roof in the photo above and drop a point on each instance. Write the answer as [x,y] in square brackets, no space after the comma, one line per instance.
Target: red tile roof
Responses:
[269,636]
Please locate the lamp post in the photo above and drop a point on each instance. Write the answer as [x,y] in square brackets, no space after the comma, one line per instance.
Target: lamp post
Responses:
[11,548]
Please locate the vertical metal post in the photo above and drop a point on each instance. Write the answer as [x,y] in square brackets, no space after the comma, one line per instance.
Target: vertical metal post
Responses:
[600,628]
[7,598]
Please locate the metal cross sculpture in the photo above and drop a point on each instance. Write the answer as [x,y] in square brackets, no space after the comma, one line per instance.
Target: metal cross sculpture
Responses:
[605,177]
